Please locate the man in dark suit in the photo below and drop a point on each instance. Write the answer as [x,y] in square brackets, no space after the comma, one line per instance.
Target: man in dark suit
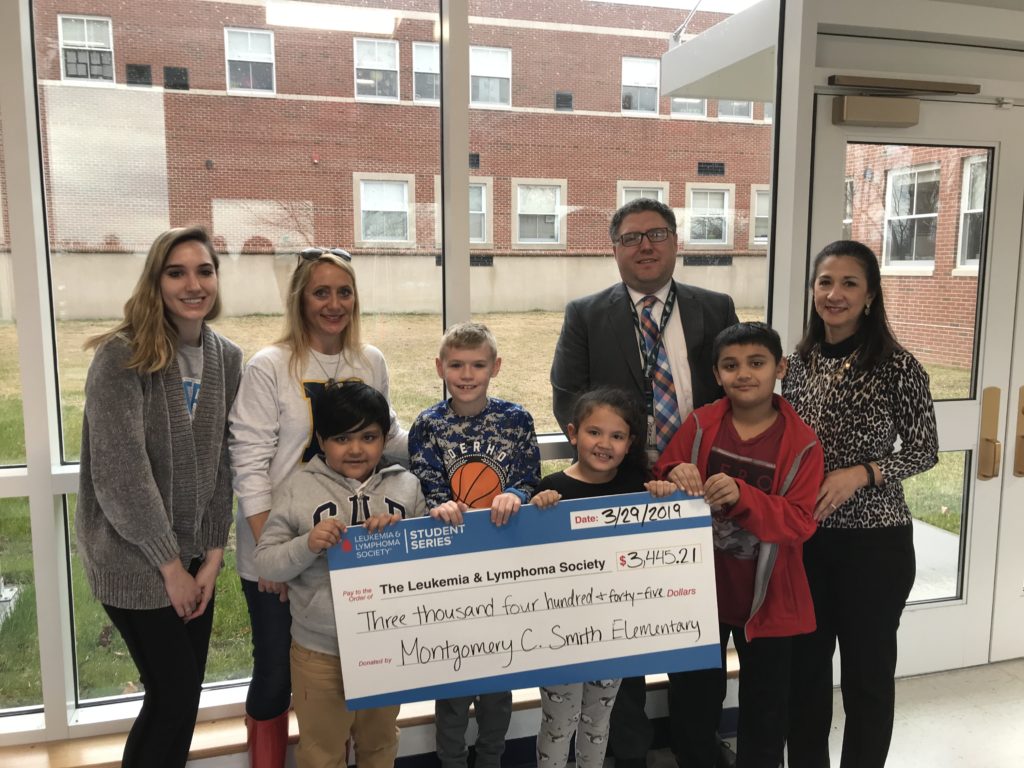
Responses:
[616,338]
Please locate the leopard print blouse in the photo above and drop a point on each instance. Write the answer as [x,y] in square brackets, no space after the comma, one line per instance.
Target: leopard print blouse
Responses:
[859,416]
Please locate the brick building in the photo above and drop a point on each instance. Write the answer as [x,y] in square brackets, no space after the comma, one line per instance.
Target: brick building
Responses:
[277,129]
[922,210]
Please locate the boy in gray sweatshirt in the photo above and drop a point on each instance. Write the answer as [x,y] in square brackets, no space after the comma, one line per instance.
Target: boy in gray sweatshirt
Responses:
[348,484]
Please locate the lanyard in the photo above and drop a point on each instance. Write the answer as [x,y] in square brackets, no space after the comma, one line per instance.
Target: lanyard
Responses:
[650,354]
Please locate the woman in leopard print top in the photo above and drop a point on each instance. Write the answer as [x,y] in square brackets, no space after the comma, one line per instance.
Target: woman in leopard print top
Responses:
[853,383]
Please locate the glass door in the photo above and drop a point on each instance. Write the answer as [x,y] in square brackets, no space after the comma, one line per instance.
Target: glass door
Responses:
[941,206]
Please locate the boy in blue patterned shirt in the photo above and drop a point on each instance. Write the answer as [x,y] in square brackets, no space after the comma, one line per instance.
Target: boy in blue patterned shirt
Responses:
[472,451]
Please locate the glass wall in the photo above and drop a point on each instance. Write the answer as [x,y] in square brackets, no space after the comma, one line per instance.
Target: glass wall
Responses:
[570,145]
[20,682]
[276,130]
[279,126]
[12,428]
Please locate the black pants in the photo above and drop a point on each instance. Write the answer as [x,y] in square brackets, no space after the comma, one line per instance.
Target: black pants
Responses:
[764,697]
[170,655]
[860,580]
[270,690]
[694,710]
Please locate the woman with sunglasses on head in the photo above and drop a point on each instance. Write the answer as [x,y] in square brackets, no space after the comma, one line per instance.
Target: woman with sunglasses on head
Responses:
[271,436]
[154,499]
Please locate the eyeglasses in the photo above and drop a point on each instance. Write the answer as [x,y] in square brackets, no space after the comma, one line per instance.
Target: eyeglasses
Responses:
[656,235]
[312,254]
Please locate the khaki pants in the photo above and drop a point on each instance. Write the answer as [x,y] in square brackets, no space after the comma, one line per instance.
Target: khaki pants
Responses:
[325,722]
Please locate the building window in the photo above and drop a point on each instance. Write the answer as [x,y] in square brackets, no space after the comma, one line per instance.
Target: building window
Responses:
[972,210]
[481,203]
[634,190]
[708,215]
[735,110]
[86,48]
[426,72]
[490,76]
[477,213]
[250,60]
[538,218]
[911,215]
[769,112]
[376,69]
[682,107]
[760,215]
[640,79]
[848,211]
[384,205]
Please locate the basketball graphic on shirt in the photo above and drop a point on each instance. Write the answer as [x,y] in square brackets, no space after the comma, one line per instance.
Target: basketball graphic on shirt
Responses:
[475,484]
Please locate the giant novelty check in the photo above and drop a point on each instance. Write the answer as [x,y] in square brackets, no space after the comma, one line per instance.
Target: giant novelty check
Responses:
[589,589]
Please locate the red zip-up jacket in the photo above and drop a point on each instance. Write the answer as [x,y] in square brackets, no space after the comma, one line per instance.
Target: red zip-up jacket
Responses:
[783,520]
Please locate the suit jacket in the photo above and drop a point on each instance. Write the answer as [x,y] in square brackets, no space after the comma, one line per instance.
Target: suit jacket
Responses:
[598,346]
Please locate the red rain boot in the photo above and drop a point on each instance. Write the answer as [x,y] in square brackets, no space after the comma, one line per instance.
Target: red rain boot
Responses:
[268,741]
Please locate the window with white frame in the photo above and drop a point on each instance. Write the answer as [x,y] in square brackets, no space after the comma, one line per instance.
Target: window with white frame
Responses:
[769,111]
[848,210]
[250,60]
[383,202]
[972,210]
[640,81]
[735,110]
[760,215]
[86,49]
[684,107]
[911,215]
[479,205]
[376,65]
[426,72]
[708,222]
[634,190]
[490,76]
[538,213]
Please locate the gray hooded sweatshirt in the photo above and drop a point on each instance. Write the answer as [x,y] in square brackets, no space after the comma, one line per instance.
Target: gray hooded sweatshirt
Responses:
[306,497]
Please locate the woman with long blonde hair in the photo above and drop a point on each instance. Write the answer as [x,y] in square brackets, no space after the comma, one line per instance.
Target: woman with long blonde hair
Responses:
[154,499]
[272,435]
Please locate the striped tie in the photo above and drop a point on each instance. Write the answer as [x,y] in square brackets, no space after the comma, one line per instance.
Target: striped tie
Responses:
[666,409]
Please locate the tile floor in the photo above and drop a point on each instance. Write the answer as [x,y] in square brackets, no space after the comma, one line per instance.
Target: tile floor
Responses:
[968,718]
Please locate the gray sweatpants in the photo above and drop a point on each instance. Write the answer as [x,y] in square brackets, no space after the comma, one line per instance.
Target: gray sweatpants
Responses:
[451,716]
[585,708]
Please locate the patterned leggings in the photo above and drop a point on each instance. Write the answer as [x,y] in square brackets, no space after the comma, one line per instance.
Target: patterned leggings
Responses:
[585,708]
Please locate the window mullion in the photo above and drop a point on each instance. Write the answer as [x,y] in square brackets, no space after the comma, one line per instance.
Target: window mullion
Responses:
[454,155]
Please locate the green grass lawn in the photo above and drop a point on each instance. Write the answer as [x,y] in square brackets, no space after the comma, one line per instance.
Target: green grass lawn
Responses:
[409,342]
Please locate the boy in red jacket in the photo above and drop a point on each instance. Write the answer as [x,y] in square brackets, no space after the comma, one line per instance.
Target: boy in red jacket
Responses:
[759,467]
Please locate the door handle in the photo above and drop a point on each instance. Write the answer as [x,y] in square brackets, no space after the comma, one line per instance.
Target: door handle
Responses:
[990,450]
[1018,453]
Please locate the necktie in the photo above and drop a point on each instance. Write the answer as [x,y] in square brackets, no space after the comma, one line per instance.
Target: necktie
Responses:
[666,409]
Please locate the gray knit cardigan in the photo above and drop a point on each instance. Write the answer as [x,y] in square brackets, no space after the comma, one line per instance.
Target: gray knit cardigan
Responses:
[154,484]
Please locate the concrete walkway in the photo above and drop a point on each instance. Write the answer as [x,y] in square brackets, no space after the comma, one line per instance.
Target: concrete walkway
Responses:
[938,556]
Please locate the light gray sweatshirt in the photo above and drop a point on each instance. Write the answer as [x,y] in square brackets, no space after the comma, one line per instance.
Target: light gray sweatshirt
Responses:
[307,496]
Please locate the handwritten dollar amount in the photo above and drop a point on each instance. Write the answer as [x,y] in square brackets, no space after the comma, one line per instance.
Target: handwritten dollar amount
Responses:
[659,558]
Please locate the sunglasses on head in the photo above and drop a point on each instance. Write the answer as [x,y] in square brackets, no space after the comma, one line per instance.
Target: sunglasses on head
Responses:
[312,254]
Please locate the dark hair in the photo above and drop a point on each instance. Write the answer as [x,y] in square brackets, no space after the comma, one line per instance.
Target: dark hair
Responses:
[349,406]
[876,337]
[755,332]
[627,407]
[640,205]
